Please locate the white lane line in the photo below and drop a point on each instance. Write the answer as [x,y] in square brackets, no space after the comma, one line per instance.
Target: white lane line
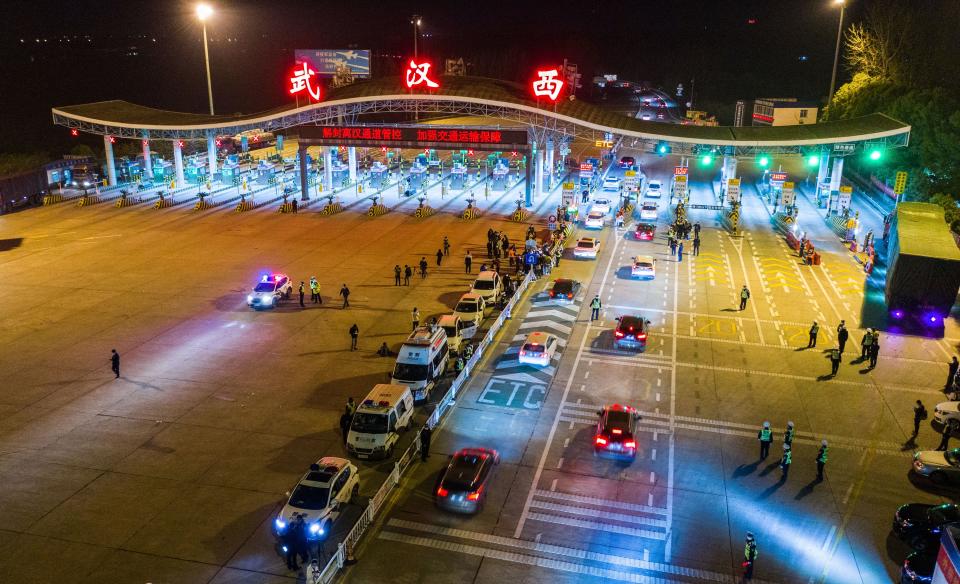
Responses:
[600,502]
[653,479]
[653,454]
[560,463]
[553,485]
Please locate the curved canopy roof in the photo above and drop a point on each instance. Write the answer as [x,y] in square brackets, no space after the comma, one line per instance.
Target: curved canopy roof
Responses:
[122,118]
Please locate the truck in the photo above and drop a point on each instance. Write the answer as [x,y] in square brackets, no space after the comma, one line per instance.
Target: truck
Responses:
[923,265]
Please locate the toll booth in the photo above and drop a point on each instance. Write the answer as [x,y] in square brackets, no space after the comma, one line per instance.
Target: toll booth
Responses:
[340,173]
[434,164]
[230,171]
[162,170]
[196,170]
[264,171]
[458,176]
[378,175]
[128,170]
[418,176]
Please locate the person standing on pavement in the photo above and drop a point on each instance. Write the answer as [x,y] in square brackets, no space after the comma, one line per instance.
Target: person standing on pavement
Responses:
[354,334]
[821,459]
[865,343]
[874,350]
[673,245]
[744,296]
[407,273]
[945,438]
[439,257]
[115,363]
[595,307]
[302,305]
[680,252]
[351,405]
[425,435]
[446,246]
[814,330]
[345,421]
[423,267]
[842,334]
[345,292]
[749,556]
[299,529]
[468,262]
[397,272]
[789,434]
[696,245]
[315,291]
[696,229]
[288,542]
[951,373]
[765,436]
[919,415]
[834,361]
[416,318]
[295,206]
[785,461]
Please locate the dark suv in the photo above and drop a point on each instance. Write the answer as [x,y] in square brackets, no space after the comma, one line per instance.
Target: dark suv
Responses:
[616,432]
[631,332]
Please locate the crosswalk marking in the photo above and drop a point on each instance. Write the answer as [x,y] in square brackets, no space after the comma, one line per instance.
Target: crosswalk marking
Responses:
[597,513]
[597,526]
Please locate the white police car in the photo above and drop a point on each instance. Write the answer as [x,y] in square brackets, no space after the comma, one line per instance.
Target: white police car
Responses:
[270,291]
[654,189]
[595,220]
[601,204]
[611,184]
[330,483]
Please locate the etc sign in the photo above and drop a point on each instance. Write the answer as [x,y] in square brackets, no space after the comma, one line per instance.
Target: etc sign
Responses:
[548,85]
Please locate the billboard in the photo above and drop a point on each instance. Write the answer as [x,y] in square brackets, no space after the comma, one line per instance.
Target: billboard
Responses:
[326,61]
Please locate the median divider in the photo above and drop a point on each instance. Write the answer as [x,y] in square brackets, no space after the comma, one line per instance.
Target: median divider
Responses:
[377,209]
[470,213]
[87,200]
[53,199]
[331,208]
[424,211]
[520,215]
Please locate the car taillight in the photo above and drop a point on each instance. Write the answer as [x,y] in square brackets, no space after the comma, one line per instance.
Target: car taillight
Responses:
[551,294]
[618,334]
[642,336]
[616,431]
[570,295]
[630,444]
[601,441]
[441,492]
[474,495]
[523,353]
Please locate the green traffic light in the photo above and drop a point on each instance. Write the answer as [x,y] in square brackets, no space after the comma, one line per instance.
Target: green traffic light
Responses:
[813,160]
[706,159]
[875,154]
[662,149]
[764,161]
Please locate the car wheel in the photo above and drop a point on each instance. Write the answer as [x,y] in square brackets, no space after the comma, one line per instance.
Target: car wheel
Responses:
[354,494]
[939,478]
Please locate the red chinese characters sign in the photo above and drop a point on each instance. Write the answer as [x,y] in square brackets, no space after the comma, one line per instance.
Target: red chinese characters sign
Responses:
[434,136]
[302,80]
[548,84]
[419,74]
[680,171]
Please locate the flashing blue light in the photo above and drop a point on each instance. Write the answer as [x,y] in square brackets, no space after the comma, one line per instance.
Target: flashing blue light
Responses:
[897,314]
[280,523]
[315,528]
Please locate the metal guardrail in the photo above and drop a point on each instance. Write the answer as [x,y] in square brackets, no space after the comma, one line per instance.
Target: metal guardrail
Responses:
[400,467]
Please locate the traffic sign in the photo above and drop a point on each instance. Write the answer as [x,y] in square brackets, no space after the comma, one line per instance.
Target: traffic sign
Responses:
[778,177]
[630,180]
[900,185]
[604,143]
[844,148]
[787,194]
[680,186]
[846,193]
[733,189]
[680,171]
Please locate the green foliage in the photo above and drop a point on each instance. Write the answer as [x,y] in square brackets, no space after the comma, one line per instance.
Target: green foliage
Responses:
[83,150]
[14,164]
[951,212]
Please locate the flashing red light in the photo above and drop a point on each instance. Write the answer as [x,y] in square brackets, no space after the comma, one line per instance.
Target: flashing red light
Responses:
[256,138]
[552,293]
[642,336]
[146,142]
[548,84]
[601,441]
[630,444]
[383,149]
[300,81]
[514,153]
[475,496]
[180,143]
[523,353]
[441,492]
[112,139]
[74,132]
[617,431]
[419,74]
[618,334]
[218,142]
[631,329]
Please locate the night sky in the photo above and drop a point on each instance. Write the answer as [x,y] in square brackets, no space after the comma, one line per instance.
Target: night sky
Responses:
[152,53]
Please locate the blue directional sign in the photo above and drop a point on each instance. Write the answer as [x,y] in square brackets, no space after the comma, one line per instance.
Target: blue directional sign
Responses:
[326,61]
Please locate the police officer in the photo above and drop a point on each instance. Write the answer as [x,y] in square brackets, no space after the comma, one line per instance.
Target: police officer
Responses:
[744,296]
[765,436]
[919,415]
[425,435]
[951,373]
[788,434]
[865,344]
[595,308]
[299,535]
[458,366]
[814,329]
[821,459]
[842,334]
[397,272]
[288,542]
[301,292]
[785,461]
[749,555]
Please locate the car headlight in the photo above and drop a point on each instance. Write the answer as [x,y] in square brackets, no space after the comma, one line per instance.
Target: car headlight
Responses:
[249,298]
[268,299]
[315,529]
[280,524]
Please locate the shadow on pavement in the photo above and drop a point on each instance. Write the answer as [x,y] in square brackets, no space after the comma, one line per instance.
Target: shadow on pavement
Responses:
[12,243]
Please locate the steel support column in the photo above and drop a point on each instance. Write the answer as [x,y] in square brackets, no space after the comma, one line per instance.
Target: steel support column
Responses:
[539,172]
[728,171]
[352,162]
[527,187]
[178,163]
[836,174]
[111,167]
[549,164]
[328,168]
[304,174]
[212,154]
[147,175]
[823,170]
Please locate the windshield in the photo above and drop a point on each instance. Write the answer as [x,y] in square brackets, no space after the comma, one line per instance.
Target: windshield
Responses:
[595,215]
[483,285]
[562,287]
[264,287]
[644,265]
[618,420]
[410,372]
[943,514]
[644,227]
[654,186]
[451,331]
[369,423]
[630,323]
[308,497]
[467,306]
[587,244]
[602,202]
[533,347]
[649,207]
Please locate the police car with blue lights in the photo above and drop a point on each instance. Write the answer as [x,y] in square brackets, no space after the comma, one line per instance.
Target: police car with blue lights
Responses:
[330,484]
[270,291]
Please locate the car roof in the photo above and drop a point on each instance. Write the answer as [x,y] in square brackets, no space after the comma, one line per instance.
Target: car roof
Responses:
[655,181]
[471,296]
[596,212]
[487,275]
[327,468]
[586,239]
[619,408]
[448,320]
[632,317]
[648,205]
[645,259]
[564,281]
[538,337]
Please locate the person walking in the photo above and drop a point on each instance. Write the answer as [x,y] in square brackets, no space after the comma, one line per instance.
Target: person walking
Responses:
[814,330]
[302,285]
[295,206]
[788,434]
[468,262]
[696,245]
[744,296]
[865,343]
[874,351]
[919,415]
[416,318]
[834,361]
[749,555]
[765,436]
[489,247]
[289,545]
[354,334]
[446,246]
[351,405]
[423,267]
[696,229]
[439,257]
[345,421]
[951,373]
[315,291]
[595,307]
[425,435]
[407,273]
[785,462]
[680,252]
[397,272]
[115,363]
[821,459]
[673,245]
[945,438]
[842,334]
[345,292]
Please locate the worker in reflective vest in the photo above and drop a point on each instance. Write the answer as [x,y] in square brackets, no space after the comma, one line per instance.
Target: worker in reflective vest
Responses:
[821,459]
[749,555]
[765,436]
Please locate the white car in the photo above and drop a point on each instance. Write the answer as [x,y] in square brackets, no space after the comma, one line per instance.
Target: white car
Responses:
[654,189]
[611,184]
[947,414]
[330,483]
[601,204]
[470,309]
[587,247]
[648,211]
[539,349]
[455,328]
[594,220]
[644,267]
[940,466]
[489,286]
[270,291]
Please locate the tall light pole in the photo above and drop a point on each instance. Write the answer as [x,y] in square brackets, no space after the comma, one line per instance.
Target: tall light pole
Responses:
[415,21]
[836,51]
[204,11]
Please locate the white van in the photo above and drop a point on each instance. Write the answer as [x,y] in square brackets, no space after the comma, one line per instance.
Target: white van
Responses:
[453,326]
[488,285]
[387,410]
[421,361]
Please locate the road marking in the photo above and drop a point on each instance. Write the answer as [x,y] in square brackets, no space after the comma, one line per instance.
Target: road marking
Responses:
[653,454]
[553,485]
[566,442]
[560,463]
[598,514]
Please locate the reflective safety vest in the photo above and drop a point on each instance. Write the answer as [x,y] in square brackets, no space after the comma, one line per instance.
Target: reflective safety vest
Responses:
[750,551]
[822,455]
[595,303]
[788,436]
[766,435]
[744,293]
[814,329]
[787,458]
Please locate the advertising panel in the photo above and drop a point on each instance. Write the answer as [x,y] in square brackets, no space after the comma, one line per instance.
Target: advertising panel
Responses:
[326,61]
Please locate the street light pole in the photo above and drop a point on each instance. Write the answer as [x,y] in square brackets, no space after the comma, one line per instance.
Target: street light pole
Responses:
[415,21]
[836,52]
[203,12]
